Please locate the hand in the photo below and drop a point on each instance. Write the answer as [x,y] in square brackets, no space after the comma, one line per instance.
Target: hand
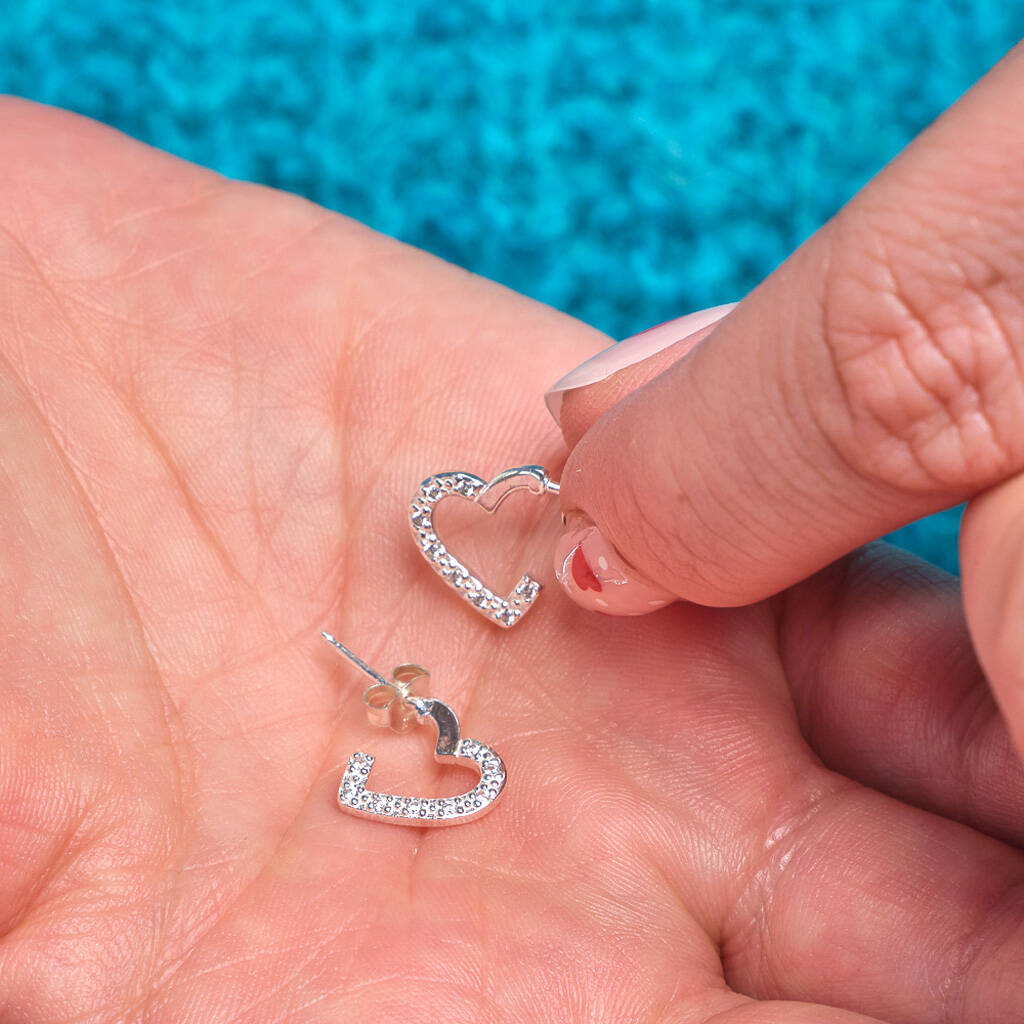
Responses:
[216,401]
[876,377]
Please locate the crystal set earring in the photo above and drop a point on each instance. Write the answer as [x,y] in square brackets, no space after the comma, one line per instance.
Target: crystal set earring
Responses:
[395,704]
[504,611]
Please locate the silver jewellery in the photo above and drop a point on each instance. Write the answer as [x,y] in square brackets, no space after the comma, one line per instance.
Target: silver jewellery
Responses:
[393,703]
[504,611]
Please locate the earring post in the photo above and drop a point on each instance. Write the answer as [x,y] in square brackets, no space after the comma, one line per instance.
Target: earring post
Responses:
[355,659]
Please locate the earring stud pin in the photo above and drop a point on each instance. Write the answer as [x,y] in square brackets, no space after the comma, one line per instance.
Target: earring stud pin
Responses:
[395,704]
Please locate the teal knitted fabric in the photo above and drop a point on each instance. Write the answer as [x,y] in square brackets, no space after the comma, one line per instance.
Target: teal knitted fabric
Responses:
[624,160]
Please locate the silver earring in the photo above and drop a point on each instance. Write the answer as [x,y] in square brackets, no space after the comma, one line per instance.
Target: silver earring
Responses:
[393,703]
[504,611]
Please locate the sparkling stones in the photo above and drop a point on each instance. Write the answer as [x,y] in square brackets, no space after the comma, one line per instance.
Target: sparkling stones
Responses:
[504,611]
[353,796]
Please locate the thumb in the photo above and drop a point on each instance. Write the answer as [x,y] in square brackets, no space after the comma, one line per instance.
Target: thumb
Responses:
[876,377]
[586,564]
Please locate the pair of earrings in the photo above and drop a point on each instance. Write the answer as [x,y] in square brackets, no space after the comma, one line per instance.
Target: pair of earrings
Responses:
[395,704]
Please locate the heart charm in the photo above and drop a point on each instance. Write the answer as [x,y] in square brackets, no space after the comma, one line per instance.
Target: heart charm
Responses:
[355,798]
[393,703]
[505,611]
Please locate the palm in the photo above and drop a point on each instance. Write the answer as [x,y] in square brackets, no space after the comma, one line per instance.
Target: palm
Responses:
[216,401]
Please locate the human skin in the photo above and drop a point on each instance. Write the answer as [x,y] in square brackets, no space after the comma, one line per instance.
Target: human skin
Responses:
[216,401]
[877,376]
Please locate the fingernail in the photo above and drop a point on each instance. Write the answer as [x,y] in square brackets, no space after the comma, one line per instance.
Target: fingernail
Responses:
[634,350]
[597,578]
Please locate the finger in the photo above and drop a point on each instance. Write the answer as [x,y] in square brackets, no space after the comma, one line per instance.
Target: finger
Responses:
[603,379]
[819,889]
[882,909]
[992,559]
[871,380]
[888,690]
[814,887]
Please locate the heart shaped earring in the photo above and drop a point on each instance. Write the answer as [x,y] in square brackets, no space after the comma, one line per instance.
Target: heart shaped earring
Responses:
[393,703]
[504,611]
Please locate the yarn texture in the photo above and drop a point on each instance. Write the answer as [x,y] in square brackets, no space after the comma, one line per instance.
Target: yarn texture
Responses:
[624,161]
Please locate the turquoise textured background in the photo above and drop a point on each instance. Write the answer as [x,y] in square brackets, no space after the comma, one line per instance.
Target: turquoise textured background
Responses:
[624,161]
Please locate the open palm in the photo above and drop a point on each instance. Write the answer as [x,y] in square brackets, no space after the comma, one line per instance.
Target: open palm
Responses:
[215,402]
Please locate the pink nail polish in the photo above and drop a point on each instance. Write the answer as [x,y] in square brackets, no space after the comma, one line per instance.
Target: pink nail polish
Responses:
[596,577]
[634,350]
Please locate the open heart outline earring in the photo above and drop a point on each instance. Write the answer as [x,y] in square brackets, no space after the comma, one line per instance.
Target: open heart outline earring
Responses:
[394,704]
[504,611]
